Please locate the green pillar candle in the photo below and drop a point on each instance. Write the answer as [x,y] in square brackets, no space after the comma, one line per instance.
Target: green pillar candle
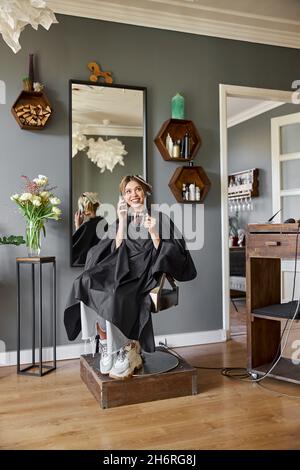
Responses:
[178,106]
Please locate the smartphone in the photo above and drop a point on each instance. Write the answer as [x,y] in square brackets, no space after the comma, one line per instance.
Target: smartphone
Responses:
[122,204]
[81,209]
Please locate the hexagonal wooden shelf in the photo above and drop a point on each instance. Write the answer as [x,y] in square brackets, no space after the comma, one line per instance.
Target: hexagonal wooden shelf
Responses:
[31,110]
[186,175]
[177,128]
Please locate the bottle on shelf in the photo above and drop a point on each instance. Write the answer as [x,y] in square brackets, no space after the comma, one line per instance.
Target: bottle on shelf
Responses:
[186,146]
[197,193]
[187,193]
[183,192]
[176,149]
[192,195]
[232,182]
[182,148]
[169,145]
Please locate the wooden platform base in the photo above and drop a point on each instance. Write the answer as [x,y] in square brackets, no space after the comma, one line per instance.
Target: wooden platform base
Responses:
[178,382]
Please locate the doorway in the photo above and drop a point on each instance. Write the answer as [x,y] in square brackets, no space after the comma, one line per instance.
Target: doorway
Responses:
[253,109]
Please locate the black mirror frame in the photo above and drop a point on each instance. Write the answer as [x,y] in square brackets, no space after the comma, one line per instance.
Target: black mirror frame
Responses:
[85,82]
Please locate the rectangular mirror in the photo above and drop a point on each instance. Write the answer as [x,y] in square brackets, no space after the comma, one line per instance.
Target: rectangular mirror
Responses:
[107,141]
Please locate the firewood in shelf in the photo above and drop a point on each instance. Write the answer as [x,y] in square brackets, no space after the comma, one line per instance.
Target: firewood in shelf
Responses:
[45,119]
[33,115]
[21,113]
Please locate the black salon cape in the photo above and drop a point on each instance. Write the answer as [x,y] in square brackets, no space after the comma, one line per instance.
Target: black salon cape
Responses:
[85,238]
[116,282]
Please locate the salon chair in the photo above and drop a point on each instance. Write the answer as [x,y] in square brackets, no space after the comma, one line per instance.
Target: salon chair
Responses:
[162,298]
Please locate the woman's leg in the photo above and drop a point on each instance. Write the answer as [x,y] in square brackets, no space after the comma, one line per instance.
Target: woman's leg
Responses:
[119,354]
[107,357]
[88,318]
[128,357]
[101,328]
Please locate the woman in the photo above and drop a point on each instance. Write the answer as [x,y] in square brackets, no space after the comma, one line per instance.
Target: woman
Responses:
[86,221]
[120,272]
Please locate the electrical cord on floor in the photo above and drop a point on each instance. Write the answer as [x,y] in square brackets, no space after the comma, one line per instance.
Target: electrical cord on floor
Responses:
[224,370]
[231,373]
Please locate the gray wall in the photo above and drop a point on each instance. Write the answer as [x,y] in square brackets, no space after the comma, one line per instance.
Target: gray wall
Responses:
[249,146]
[165,62]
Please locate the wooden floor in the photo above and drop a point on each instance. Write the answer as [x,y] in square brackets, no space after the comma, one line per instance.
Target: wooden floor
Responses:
[58,412]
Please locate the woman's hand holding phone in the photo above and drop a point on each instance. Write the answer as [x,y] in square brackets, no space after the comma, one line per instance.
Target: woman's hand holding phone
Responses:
[78,219]
[122,208]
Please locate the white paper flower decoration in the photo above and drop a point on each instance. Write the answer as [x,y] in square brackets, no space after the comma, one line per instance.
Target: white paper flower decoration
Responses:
[79,140]
[16,14]
[106,154]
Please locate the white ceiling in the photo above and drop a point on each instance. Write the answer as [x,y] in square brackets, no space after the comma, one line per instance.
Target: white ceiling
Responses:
[275,22]
[242,109]
[107,111]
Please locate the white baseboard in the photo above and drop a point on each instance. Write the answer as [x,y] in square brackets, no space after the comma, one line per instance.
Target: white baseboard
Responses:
[193,338]
[74,351]
[68,351]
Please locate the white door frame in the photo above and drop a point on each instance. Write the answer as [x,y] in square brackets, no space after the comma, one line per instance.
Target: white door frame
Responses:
[226,91]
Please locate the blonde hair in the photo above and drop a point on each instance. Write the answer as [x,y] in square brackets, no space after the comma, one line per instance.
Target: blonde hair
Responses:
[88,202]
[147,188]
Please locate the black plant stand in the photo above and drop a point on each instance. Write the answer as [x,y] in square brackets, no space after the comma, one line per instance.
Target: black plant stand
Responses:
[37,261]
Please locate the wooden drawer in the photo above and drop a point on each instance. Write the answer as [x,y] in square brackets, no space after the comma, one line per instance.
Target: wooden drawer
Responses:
[272,245]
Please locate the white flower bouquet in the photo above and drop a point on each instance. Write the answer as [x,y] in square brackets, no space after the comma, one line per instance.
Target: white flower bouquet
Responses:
[37,204]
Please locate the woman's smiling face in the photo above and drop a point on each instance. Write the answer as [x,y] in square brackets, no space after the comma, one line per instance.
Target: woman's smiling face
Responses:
[134,194]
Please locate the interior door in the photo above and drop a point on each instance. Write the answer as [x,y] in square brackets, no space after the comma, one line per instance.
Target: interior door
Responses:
[285,132]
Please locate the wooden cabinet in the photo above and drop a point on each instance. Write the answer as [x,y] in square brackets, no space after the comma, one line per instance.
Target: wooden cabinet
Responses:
[176,130]
[266,245]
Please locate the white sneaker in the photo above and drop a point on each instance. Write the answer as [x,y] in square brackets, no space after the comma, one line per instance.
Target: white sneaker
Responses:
[107,360]
[128,359]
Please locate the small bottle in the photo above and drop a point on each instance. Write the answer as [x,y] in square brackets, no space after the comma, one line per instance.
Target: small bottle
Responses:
[192,192]
[186,146]
[197,193]
[176,149]
[187,193]
[182,148]
[169,145]
[183,191]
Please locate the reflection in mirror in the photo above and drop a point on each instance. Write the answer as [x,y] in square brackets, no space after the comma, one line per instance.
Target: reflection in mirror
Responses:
[107,141]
